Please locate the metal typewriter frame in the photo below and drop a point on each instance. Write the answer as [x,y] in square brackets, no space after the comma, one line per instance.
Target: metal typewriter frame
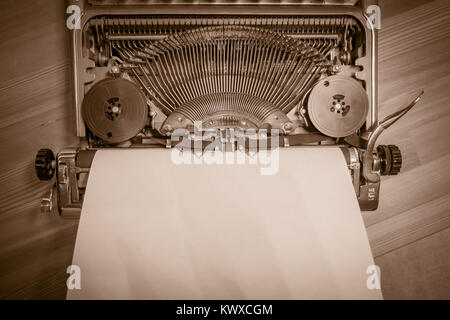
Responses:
[368,63]
[364,162]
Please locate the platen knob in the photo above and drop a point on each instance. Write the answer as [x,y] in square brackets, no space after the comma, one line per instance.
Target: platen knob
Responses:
[396,159]
[391,159]
[45,164]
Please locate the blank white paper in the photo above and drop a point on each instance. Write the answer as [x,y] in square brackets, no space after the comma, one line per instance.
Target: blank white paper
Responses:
[150,229]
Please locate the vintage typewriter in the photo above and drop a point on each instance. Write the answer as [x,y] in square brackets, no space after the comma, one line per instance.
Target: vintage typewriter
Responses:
[144,68]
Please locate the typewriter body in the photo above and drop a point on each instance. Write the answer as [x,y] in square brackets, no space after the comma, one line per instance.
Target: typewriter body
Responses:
[144,69]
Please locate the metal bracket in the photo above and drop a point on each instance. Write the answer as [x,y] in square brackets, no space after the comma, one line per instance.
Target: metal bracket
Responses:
[67,182]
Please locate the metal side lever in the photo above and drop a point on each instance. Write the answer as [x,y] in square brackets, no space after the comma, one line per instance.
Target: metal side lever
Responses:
[368,173]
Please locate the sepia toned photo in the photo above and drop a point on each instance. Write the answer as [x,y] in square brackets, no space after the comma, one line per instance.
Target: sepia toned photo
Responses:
[209,152]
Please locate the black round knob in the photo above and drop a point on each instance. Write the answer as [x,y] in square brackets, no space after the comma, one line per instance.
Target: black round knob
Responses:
[391,159]
[44,164]
[396,159]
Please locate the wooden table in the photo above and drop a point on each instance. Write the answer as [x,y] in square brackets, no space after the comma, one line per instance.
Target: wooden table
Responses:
[409,234]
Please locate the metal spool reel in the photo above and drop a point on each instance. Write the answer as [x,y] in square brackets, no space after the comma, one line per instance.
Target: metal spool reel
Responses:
[115,110]
[338,106]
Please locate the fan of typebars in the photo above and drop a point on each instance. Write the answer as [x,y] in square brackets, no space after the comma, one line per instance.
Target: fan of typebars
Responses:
[228,75]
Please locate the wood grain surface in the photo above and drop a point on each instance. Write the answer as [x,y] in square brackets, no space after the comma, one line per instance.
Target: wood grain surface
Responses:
[409,233]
